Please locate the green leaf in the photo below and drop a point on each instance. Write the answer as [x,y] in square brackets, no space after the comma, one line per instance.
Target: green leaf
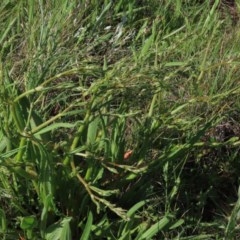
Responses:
[4,143]
[199,237]
[3,221]
[142,30]
[10,153]
[92,131]
[28,223]
[44,215]
[175,64]
[154,229]
[60,230]
[55,126]
[179,108]
[177,224]
[210,16]
[148,43]
[128,228]
[134,208]
[5,33]
[87,229]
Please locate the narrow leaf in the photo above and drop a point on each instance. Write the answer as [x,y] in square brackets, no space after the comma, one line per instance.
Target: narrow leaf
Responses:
[154,229]
[87,229]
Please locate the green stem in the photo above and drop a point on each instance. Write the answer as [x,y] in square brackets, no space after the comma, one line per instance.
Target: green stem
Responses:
[77,138]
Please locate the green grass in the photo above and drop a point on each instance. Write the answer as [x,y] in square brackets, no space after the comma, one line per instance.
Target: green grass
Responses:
[84,82]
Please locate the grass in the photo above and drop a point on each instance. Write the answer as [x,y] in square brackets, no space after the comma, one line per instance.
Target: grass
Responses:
[119,120]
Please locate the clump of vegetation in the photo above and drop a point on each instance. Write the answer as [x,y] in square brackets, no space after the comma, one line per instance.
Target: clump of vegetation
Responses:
[119,120]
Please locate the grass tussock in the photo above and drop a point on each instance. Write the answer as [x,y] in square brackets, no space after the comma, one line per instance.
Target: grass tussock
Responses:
[119,120]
